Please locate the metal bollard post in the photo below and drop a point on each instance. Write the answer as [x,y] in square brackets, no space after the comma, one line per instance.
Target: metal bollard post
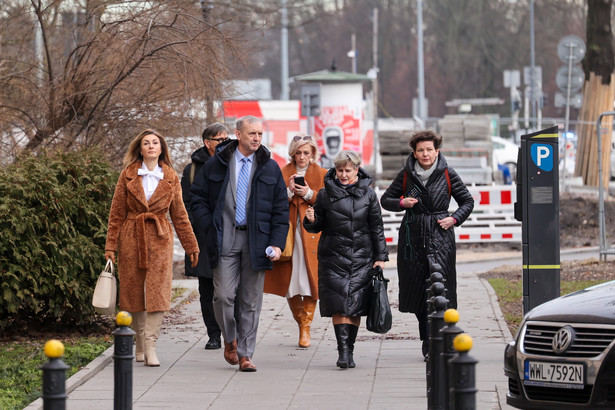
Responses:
[449,332]
[463,391]
[54,377]
[435,362]
[435,289]
[122,362]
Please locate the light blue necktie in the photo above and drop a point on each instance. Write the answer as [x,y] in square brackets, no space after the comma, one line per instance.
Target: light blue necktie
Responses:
[242,193]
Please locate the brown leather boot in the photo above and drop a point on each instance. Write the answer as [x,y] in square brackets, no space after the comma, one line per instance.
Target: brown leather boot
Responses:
[309,306]
[296,306]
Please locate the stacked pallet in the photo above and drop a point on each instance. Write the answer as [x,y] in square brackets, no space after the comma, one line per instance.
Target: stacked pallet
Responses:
[597,98]
[394,150]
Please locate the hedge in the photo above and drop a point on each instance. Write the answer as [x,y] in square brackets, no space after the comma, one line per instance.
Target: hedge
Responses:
[53,221]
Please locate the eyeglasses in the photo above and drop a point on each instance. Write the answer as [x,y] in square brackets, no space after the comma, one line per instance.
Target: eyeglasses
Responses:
[304,138]
[218,139]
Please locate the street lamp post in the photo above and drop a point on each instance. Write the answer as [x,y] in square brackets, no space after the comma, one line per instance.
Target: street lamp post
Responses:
[421,69]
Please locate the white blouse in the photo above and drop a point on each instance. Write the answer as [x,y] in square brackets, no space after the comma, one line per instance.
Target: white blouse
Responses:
[150,179]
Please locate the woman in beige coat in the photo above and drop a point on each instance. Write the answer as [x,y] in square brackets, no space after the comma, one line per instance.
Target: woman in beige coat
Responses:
[297,278]
[147,190]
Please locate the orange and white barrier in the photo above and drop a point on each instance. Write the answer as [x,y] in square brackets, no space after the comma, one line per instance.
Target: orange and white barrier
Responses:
[492,219]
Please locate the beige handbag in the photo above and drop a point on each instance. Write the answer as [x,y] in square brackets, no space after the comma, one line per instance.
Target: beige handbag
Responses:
[290,244]
[105,292]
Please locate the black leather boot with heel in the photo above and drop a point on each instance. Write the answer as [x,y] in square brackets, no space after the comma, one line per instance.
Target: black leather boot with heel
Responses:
[352,336]
[342,335]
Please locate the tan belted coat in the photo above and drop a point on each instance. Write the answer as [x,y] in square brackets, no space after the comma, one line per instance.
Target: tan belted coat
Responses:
[277,280]
[141,234]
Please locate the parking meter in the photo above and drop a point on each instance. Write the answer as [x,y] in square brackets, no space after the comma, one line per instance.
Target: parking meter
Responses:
[537,208]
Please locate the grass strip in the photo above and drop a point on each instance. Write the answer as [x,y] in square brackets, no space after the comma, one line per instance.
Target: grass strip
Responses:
[510,297]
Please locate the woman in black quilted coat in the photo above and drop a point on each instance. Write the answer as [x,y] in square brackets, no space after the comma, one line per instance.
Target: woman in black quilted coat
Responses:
[423,189]
[348,214]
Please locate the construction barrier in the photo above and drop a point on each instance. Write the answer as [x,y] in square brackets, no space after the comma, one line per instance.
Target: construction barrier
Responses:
[492,219]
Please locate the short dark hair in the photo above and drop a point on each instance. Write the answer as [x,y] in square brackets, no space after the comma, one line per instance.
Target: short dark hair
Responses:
[213,130]
[426,135]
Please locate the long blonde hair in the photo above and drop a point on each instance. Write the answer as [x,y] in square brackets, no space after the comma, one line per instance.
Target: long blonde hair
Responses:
[134,150]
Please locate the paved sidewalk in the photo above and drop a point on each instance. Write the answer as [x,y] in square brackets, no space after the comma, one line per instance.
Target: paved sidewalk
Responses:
[390,372]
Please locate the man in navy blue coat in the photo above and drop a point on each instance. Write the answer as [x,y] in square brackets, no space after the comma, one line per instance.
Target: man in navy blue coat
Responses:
[239,202]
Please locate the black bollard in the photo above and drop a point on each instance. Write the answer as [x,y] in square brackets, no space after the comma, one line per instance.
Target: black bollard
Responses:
[435,362]
[54,377]
[449,332]
[122,362]
[435,289]
[463,391]
[434,267]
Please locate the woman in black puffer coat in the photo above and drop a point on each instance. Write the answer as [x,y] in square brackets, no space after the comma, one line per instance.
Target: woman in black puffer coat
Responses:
[423,189]
[352,243]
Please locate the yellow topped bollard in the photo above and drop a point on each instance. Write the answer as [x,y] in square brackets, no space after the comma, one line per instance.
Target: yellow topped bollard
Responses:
[451,316]
[463,342]
[54,349]
[123,318]
[122,361]
[463,374]
[449,333]
[54,376]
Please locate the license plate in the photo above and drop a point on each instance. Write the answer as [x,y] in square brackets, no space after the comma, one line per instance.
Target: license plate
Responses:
[557,373]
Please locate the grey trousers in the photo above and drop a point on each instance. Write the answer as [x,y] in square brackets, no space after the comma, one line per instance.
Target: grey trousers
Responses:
[238,296]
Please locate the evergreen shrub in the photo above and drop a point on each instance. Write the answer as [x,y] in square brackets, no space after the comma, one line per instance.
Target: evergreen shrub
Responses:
[53,222]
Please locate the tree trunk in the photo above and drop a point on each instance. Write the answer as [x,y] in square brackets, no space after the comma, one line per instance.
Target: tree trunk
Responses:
[598,93]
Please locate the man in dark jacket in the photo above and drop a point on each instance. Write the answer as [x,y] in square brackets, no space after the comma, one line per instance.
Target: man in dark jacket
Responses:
[239,202]
[213,135]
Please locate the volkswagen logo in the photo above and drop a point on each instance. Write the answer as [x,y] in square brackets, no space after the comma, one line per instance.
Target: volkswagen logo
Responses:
[562,339]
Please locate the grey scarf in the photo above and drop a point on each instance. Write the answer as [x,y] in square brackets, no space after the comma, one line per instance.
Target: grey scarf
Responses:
[424,174]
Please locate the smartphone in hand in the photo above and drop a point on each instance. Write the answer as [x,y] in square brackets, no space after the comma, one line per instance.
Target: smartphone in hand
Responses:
[300,181]
[414,192]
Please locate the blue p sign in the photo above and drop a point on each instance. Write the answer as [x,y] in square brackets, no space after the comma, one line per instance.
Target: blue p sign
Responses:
[542,155]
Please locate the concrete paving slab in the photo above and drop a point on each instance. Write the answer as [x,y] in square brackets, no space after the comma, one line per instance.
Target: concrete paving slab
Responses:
[390,372]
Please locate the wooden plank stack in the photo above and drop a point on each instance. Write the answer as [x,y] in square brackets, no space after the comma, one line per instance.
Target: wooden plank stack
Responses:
[597,98]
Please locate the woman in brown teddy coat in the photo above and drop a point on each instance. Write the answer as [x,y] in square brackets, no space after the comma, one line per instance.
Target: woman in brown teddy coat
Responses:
[147,190]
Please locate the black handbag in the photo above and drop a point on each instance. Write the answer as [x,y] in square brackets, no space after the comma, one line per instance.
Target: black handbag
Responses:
[379,317]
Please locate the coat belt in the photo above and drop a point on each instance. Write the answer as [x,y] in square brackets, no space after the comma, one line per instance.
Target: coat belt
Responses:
[142,241]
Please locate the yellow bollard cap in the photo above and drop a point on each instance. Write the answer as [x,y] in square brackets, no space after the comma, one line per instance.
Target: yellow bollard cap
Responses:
[54,349]
[462,342]
[451,316]
[123,318]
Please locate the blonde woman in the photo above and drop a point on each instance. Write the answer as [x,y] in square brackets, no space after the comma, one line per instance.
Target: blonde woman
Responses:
[348,214]
[147,190]
[297,278]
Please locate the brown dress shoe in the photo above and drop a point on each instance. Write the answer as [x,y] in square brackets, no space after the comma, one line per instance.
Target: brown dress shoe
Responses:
[246,365]
[230,352]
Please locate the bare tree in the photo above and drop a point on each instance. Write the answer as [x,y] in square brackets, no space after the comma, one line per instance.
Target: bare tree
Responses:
[108,69]
[467,46]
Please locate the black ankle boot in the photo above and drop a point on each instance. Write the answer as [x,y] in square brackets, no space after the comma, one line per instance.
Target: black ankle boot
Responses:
[342,335]
[352,336]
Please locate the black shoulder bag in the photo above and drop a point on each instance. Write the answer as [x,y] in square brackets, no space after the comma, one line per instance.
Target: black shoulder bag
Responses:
[379,317]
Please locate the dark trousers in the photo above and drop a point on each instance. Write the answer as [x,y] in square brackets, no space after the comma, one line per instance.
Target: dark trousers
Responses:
[206,292]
